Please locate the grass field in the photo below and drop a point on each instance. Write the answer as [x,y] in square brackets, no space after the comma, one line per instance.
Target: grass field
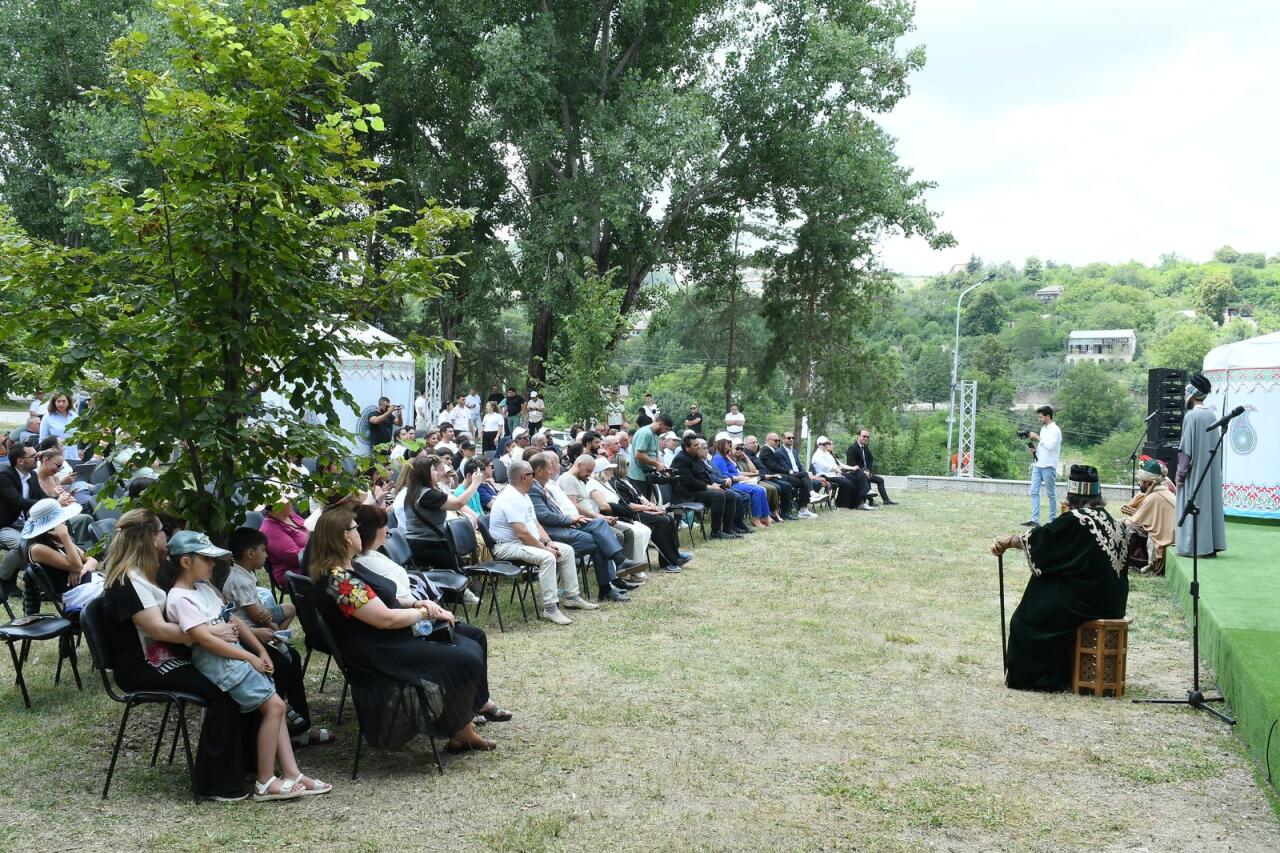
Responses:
[832,684]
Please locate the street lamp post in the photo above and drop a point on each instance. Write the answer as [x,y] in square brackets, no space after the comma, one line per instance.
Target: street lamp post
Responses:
[955,368]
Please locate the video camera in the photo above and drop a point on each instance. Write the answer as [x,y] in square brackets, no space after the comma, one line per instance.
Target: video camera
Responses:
[1025,432]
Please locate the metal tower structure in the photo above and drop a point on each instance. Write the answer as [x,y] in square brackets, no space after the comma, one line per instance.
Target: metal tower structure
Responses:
[968,419]
[433,387]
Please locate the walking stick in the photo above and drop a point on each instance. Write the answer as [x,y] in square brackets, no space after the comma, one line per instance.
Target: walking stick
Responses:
[1004,643]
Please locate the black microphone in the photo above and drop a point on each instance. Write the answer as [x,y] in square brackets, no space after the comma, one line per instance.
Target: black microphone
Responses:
[1225,419]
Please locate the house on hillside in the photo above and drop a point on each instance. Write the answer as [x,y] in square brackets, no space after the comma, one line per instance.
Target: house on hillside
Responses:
[1238,311]
[1049,294]
[1101,345]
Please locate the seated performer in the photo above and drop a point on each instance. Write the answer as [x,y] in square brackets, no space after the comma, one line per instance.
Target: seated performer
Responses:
[1078,574]
[1152,515]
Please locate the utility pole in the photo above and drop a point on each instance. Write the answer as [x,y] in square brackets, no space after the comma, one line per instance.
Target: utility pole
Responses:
[955,370]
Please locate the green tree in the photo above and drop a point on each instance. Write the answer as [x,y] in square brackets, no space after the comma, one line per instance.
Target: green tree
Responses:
[992,357]
[1033,270]
[1091,404]
[583,380]
[240,270]
[1184,348]
[931,375]
[1029,337]
[985,315]
[1226,255]
[1215,291]
[1110,315]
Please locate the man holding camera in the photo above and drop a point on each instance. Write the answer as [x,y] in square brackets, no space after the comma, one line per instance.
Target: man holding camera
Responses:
[377,426]
[1045,447]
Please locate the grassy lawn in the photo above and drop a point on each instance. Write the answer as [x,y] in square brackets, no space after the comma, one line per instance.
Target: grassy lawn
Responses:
[832,684]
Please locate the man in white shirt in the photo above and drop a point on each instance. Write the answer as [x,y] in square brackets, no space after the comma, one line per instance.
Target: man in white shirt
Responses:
[1044,470]
[421,417]
[518,536]
[460,417]
[474,404]
[670,445]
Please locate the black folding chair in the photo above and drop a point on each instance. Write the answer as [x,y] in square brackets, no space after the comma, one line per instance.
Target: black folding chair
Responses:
[304,596]
[451,584]
[828,495]
[528,572]
[499,471]
[100,650]
[462,542]
[680,511]
[301,592]
[19,634]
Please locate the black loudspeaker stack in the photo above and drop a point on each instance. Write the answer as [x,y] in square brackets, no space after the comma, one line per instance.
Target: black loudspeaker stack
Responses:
[1165,389]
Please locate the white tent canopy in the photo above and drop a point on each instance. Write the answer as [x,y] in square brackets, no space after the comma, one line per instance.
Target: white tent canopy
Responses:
[1247,373]
[367,378]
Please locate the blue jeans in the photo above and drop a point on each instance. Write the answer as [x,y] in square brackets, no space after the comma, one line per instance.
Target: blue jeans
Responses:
[1047,477]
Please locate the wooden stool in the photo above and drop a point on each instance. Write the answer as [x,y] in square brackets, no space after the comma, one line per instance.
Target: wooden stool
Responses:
[1101,648]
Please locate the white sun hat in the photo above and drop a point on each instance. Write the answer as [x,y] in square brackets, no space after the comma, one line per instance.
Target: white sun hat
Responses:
[47,514]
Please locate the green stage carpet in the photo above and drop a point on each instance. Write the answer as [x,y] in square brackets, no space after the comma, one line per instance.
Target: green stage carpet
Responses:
[1240,629]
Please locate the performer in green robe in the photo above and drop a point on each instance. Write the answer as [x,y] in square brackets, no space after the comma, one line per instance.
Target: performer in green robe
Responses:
[1193,459]
[1077,574]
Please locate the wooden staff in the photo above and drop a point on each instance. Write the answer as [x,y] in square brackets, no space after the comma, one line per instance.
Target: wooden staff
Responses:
[1004,643]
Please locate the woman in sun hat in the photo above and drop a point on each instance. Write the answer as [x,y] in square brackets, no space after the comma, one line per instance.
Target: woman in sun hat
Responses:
[48,542]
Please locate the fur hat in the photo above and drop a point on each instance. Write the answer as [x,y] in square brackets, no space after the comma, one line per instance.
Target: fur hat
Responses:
[1083,480]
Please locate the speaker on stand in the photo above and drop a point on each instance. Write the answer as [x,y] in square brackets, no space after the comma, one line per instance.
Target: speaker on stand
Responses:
[1165,388]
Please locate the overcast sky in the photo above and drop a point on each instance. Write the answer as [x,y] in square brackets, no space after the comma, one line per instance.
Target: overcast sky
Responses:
[1094,130]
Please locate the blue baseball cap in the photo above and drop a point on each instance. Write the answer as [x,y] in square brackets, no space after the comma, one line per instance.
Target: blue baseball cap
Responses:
[191,542]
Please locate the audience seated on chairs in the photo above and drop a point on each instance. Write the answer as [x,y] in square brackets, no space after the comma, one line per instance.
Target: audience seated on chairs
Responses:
[242,669]
[560,517]
[49,544]
[514,450]
[586,483]
[862,460]
[286,533]
[664,527]
[851,487]
[737,504]
[785,462]
[487,490]
[19,492]
[427,498]
[519,537]
[254,604]
[150,654]
[669,446]
[772,492]
[404,649]
[741,483]
[692,481]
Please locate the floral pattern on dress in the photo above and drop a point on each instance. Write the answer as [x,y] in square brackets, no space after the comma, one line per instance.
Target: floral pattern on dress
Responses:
[350,592]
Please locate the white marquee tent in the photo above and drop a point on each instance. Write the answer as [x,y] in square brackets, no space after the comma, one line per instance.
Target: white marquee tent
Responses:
[366,378]
[1247,373]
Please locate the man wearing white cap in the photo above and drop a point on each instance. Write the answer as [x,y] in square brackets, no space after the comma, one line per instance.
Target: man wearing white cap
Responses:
[534,411]
[515,449]
[849,495]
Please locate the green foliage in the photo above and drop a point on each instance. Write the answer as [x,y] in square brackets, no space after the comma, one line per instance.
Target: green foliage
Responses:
[992,357]
[1091,404]
[1033,270]
[1184,348]
[239,269]
[920,447]
[931,375]
[985,314]
[1216,290]
[583,379]
[1111,457]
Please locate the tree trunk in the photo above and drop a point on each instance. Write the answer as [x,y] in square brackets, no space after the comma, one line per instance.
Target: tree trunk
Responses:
[733,325]
[806,370]
[540,348]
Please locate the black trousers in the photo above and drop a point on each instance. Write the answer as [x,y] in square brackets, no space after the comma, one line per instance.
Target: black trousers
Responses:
[288,678]
[800,487]
[786,495]
[735,516]
[715,502]
[432,555]
[664,535]
[878,482]
[845,491]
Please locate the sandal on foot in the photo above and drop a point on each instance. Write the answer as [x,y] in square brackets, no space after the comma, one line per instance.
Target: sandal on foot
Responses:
[262,790]
[314,790]
[496,714]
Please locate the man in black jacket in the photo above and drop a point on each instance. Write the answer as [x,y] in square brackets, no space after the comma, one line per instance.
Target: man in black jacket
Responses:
[19,491]
[691,482]
[786,490]
[859,455]
[785,462]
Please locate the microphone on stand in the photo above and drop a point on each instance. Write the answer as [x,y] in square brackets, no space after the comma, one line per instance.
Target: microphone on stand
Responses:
[1150,416]
[1226,419]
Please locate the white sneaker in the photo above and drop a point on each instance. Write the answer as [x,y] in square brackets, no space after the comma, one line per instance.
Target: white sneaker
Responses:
[469,597]
[553,614]
[578,603]
[804,513]
[814,497]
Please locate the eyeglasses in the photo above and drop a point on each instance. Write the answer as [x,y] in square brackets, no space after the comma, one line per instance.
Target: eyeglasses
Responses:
[353,528]
[788,437]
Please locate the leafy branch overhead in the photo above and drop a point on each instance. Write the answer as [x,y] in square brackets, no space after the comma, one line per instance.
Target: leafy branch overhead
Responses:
[241,266]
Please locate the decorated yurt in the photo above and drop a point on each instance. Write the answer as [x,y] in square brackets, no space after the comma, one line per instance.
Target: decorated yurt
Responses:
[1247,373]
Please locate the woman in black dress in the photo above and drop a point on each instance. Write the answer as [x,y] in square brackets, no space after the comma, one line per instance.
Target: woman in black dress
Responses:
[151,654]
[408,684]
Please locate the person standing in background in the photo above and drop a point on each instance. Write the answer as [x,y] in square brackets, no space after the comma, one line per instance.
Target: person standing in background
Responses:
[734,421]
[1193,461]
[1044,470]
[534,411]
[421,417]
[473,403]
[514,405]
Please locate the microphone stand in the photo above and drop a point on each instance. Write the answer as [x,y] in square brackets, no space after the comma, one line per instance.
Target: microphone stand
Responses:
[1195,698]
[1133,457]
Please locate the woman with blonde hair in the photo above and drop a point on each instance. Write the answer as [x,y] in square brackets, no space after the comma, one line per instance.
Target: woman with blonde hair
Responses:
[424,679]
[147,654]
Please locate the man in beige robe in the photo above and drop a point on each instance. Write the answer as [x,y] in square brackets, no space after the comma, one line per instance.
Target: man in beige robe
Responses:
[1154,512]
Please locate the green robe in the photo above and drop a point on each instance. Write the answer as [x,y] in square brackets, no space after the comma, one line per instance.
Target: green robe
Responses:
[1078,574]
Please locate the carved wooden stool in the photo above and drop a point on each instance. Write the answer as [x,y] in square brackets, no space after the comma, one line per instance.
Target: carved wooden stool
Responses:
[1101,648]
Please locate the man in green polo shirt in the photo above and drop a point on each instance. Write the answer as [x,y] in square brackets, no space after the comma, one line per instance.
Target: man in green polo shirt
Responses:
[644,452]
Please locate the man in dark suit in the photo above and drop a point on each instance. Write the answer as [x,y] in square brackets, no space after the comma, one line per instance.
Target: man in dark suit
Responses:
[787,490]
[586,535]
[776,460]
[19,491]
[691,482]
[860,457]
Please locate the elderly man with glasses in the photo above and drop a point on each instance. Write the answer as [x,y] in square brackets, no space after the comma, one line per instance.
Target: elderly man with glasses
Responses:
[851,485]
[779,456]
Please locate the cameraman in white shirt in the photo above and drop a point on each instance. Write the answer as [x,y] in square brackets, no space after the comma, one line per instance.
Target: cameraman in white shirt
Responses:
[1044,470]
